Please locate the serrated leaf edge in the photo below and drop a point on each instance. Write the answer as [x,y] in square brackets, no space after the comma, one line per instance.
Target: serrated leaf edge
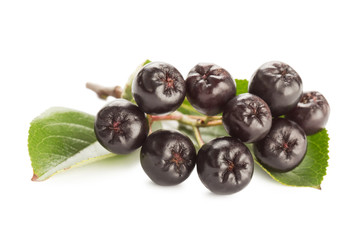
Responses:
[291,185]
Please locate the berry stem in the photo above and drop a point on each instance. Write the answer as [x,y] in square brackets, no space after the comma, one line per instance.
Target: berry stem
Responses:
[198,136]
[150,122]
[206,118]
[187,120]
[172,116]
[192,120]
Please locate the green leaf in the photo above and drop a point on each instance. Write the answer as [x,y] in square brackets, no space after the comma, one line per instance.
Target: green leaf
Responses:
[60,139]
[208,133]
[312,169]
[187,108]
[309,173]
[241,86]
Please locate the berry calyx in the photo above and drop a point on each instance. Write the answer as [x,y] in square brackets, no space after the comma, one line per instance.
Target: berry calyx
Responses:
[121,127]
[168,157]
[279,85]
[247,117]
[158,88]
[225,165]
[311,113]
[209,87]
[283,148]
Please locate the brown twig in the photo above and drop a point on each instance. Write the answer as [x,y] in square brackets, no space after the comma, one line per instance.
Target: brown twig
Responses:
[104,92]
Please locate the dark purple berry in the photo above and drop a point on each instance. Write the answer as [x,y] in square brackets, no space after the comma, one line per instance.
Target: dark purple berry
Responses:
[168,157]
[225,165]
[158,88]
[121,127]
[247,117]
[283,148]
[209,88]
[278,85]
[311,112]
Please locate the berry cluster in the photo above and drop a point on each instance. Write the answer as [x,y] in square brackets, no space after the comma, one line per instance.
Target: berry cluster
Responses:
[276,115]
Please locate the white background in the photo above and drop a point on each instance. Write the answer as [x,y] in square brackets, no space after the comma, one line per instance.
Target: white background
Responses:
[50,49]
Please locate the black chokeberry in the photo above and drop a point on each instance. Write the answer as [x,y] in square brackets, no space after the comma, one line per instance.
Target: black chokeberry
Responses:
[121,127]
[247,117]
[158,88]
[311,112]
[278,85]
[168,157]
[209,88]
[225,165]
[283,148]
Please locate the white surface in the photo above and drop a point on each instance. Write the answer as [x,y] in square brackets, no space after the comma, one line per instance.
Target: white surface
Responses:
[49,49]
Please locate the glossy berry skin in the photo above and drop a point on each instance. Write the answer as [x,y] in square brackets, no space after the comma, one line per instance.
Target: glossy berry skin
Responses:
[225,165]
[283,148]
[279,85]
[168,157]
[311,113]
[121,127]
[209,88]
[158,88]
[247,117]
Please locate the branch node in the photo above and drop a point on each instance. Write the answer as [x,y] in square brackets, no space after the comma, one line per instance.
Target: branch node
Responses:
[104,92]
